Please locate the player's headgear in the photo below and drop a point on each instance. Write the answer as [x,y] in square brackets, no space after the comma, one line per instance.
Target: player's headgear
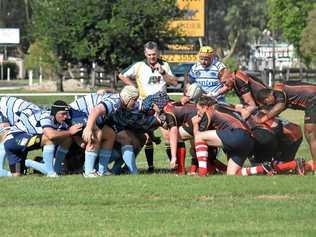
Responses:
[128,93]
[206,52]
[194,91]
[160,99]
[58,106]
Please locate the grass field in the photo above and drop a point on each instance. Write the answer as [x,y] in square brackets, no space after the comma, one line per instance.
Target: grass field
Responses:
[161,204]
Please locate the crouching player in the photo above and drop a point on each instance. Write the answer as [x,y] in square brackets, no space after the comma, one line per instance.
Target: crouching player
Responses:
[218,127]
[37,129]
[109,104]
[10,110]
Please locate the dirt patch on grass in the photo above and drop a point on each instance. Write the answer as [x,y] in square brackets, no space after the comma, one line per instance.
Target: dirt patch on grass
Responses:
[272,197]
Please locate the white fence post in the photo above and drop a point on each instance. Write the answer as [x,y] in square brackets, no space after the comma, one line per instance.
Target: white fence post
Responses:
[30,77]
[8,74]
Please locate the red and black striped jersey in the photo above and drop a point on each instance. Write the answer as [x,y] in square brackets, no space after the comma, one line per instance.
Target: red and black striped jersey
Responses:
[178,114]
[295,94]
[222,117]
[244,83]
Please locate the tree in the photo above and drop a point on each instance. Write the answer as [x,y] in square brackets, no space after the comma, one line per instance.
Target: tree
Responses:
[234,24]
[13,15]
[308,42]
[288,18]
[111,32]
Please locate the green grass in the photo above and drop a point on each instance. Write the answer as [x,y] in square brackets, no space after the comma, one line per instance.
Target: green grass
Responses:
[160,204]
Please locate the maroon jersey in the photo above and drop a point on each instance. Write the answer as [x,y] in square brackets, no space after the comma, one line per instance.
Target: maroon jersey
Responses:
[222,118]
[244,83]
[295,94]
[178,114]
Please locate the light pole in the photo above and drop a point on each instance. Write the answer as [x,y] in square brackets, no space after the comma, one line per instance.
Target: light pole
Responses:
[270,36]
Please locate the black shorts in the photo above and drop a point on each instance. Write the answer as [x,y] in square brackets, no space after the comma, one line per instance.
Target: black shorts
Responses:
[19,144]
[266,144]
[188,127]
[237,144]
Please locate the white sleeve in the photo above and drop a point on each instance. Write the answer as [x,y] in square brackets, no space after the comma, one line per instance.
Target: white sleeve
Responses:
[130,71]
[167,68]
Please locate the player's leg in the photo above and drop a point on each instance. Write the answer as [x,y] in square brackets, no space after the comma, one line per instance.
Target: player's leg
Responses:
[107,143]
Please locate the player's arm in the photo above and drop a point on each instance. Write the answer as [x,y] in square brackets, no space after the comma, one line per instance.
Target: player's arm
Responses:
[279,106]
[52,133]
[126,80]
[94,114]
[273,112]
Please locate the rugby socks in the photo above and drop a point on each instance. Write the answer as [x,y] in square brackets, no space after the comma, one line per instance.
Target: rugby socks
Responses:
[129,158]
[48,158]
[284,166]
[310,166]
[168,150]
[59,158]
[3,172]
[202,155]
[181,152]
[104,157]
[248,171]
[194,162]
[90,157]
[47,166]
[149,152]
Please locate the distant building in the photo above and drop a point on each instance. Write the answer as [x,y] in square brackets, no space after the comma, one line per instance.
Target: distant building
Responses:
[261,56]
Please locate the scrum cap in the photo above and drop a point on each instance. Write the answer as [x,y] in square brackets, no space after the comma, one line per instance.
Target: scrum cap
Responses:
[128,93]
[206,52]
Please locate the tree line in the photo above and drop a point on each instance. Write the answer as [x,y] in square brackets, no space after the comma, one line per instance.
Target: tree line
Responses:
[112,32]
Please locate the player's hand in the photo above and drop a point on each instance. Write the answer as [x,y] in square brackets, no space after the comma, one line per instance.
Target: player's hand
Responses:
[87,135]
[196,119]
[173,162]
[184,99]
[159,68]
[75,128]
[244,113]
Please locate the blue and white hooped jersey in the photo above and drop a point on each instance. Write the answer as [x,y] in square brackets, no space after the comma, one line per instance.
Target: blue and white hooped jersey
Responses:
[35,123]
[133,119]
[81,108]
[111,102]
[207,78]
[86,103]
[12,107]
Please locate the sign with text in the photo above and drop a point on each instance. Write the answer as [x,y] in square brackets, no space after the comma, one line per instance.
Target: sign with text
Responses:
[179,58]
[9,36]
[192,24]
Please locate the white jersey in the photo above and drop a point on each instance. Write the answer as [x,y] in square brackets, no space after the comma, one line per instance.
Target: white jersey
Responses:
[148,81]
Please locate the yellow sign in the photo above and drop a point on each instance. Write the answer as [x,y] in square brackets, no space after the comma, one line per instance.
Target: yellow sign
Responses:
[179,58]
[193,22]
[180,46]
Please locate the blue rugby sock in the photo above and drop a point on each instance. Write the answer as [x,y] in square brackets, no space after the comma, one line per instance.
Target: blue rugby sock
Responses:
[59,158]
[3,172]
[90,157]
[47,166]
[104,157]
[48,158]
[129,158]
